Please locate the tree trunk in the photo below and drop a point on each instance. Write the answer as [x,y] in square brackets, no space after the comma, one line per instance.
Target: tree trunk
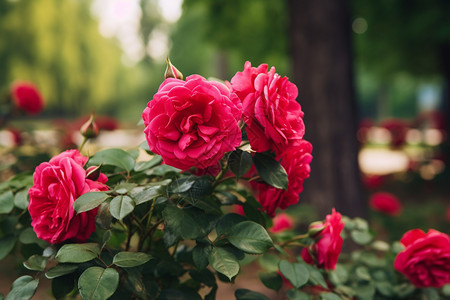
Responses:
[322,69]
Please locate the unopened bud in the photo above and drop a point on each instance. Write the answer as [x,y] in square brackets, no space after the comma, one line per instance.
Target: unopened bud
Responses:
[315,228]
[93,173]
[89,129]
[171,71]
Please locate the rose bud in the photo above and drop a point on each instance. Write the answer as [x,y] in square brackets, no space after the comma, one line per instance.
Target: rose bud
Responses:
[171,71]
[89,129]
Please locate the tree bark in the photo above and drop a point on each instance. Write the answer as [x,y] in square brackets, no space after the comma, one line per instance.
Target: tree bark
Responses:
[322,69]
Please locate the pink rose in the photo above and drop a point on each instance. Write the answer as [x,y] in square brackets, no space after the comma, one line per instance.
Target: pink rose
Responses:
[386,203]
[281,222]
[57,184]
[27,97]
[327,248]
[192,123]
[296,162]
[273,117]
[426,258]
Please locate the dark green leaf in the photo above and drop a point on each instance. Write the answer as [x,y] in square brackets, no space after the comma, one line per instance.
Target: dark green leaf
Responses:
[6,202]
[329,296]
[98,283]
[224,262]
[297,295]
[204,276]
[296,273]
[249,237]
[271,171]
[361,237]
[131,259]
[61,286]
[78,253]
[35,263]
[240,162]
[21,199]
[315,276]
[269,262]
[113,157]
[182,185]
[121,206]
[124,188]
[227,221]
[89,201]
[152,192]
[28,236]
[385,288]
[6,245]
[145,165]
[103,218]
[271,280]
[244,294]
[200,255]
[60,270]
[23,288]
[162,170]
[253,213]
[366,291]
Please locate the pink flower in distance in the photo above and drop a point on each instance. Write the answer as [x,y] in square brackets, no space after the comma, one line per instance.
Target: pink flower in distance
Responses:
[273,117]
[282,222]
[57,184]
[385,203]
[324,253]
[296,161]
[425,261]
[192,123]
[27,97]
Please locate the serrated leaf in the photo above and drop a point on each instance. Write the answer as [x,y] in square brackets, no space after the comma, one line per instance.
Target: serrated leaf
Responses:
[23,288]
[21,199]
[131,259]
[98,283]
[271,280]
[149,194]
[224,262]
[244,294]
[89,201]
[271,171]
[121,206]
[77,253]
[182,185]
[6,202]
[240,162]
[249,237]
[60,270]
[113,157]
[227,221]
[296,273]
[35,263]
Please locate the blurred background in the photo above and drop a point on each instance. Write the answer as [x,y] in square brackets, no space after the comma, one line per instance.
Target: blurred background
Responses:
[372,76]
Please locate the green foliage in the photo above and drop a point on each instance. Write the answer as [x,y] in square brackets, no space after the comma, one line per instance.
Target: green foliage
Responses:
[271,171]
[224,262]
[89,201]
[249,237]
[98,283]
[23,288]
[296,273]
[131,259]
[77,253]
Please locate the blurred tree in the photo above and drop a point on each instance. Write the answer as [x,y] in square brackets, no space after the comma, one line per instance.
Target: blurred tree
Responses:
[322,61]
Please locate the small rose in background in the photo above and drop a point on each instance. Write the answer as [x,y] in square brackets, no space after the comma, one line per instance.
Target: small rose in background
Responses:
[27,97]
[373,181]
[281,222]
[386,203]
[325,251]
[57,184]
[398,130]
[425,261]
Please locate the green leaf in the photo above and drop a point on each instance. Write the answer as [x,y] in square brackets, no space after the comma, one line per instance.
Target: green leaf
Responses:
[271,171]
[89,201]
[162,170]
[61,286]
[21,199]
[228,221]
[189,223]
[339,275]
[77,253]
[250,237]
[124,188]
[297,295]
[113,157]
[6,245]
[121,206]
[269,262]
[224,262]
[145,165]
[152,192]
[366,291]
[244,294]
[182,185]
[6,202]
[131,259]
[60,270]
[385,288]
[204,276]
[98,283]
[23,288]
[240,162]
[200,255]
[28,236]
[329,296]
[363,273]
[315,276]
[361,237]
[296,273]
[271,280]
[35,263]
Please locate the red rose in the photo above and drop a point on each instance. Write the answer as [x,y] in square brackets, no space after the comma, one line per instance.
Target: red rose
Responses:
[398,130]
[281,222]
[296,163]
[385,203]
[273,117]
[192,123]
[325,251]
[57,184]
[426,258]
[27,97]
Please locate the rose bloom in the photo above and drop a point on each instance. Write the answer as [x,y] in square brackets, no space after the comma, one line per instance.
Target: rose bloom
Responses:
[425,259]
[273,117]
[385,203]
[327,248]
[27,97]
[57,184]
[398,130]
[296,163]
[281,222]
[192,123]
